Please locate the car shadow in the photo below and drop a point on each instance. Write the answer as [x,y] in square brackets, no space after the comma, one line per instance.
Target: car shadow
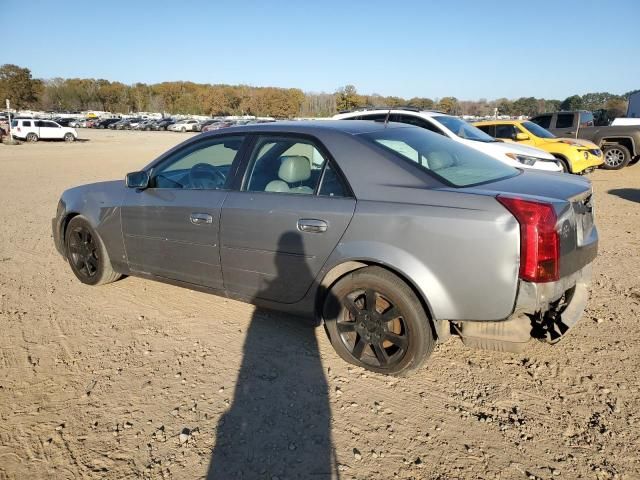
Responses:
[631,194]
[279,423]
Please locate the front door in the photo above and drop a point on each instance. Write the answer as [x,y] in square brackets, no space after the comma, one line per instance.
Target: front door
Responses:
[172,228]
[48,130]
[278,231]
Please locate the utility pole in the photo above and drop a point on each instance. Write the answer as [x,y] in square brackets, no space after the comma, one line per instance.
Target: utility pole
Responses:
[9,118]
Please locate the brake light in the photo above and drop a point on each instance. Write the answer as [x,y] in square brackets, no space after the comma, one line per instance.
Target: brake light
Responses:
[539,242]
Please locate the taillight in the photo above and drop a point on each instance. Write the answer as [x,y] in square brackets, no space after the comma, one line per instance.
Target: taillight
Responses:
[539,242]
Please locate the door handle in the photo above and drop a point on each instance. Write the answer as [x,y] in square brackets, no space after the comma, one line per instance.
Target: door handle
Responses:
[201,218]
[312,225]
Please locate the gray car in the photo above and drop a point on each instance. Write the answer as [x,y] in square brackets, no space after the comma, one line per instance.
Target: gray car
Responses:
[393,236]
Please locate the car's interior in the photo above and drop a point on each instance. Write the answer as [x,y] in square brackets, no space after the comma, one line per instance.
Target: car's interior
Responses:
[285,166]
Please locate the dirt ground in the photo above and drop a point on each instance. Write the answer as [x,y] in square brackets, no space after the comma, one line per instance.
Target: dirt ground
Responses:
[142,379]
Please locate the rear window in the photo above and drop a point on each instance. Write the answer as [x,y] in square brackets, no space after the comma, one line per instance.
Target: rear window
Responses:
[564,120]
[455,164]
[543,120]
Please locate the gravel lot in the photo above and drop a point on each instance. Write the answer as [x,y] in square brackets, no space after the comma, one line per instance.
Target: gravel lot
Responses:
[143,379]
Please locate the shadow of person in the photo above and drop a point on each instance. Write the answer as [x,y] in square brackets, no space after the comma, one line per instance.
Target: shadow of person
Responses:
[279,424]
[631,194]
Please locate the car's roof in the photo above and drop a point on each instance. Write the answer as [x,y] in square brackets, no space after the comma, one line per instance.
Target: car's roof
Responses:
[355,127]
[404,111]
[499,122]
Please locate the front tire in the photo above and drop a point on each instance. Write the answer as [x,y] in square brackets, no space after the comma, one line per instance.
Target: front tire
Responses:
[374,320]
[68,137]
[87,254]
[32,137]
[616,156]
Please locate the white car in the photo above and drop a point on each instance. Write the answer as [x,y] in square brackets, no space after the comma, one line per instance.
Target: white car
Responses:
[463,132]
[184,126]
[33,129]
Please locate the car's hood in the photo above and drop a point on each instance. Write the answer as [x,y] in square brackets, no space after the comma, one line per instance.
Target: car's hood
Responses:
[574,142]
[522,150]
[546,185]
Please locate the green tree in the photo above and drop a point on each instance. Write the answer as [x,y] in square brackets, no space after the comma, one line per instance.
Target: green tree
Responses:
[347,98]
[449,105]
[574,102]
[421,102]
[18,86]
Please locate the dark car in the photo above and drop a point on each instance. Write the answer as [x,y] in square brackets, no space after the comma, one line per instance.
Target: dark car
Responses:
[393,236]
[106,122]
[162,124]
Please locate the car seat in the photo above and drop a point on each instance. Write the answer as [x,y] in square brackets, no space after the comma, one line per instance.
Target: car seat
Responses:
[293,171]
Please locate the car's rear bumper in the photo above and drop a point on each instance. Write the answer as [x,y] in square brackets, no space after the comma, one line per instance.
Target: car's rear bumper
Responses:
[555,306]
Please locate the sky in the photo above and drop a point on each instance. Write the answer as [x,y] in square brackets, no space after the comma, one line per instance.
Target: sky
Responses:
[467,49]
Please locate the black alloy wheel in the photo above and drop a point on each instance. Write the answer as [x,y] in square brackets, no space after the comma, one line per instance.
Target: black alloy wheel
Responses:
[373,329]
[83,252]
[376,321]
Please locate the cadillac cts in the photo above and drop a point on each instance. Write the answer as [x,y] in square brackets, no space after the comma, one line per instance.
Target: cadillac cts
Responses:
[393,236]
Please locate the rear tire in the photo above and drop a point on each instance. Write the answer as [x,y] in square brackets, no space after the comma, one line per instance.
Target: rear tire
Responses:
[374,320]
[32,137]
[616,156]
[183,129]
[87,254]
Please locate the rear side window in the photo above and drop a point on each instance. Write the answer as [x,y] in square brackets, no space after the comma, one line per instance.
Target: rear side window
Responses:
[506,131]
[416,121]
[488,129]
[455,164]
[565,120]
[26,123]
[543,120]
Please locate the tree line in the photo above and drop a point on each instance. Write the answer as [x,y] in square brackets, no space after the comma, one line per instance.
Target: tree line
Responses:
[81,94]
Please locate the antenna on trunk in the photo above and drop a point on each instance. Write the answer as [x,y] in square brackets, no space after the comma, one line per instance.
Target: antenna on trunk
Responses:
[386,120]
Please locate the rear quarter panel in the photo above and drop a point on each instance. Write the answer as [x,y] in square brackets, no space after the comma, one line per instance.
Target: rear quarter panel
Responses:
[460,251]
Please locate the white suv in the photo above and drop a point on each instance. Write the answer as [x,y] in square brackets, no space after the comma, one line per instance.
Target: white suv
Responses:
[33,129]
[184,126]
[461,131]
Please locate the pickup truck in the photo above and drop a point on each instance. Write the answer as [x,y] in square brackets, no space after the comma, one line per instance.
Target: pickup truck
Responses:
[620,144]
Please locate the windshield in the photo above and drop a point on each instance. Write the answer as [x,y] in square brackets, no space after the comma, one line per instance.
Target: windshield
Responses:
[463,130]
[456,164]
[537,130]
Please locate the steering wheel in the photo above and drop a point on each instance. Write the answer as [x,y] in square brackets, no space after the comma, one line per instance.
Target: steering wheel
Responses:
[206,176]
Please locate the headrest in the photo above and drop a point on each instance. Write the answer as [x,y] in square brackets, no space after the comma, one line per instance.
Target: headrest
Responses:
[277,186]
[294,168]
[439,160]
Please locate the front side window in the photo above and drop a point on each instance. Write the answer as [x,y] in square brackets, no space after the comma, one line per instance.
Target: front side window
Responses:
[564,120]
[455,164]
[290,165]
[200,166]
[463,129]
[586,119]
[543,120]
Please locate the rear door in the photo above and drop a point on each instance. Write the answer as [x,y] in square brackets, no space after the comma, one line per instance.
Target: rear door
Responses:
[291,211]
[172,228]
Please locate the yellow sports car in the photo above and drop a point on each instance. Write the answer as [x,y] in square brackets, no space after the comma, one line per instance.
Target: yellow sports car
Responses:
[576,156]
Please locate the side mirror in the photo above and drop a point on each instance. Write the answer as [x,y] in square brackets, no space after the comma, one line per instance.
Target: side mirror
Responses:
[137,179]
[521,136]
